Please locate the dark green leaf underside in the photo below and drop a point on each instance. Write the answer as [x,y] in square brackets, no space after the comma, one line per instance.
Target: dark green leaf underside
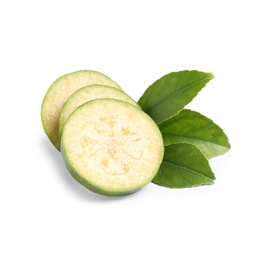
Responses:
[192,127]
[171,93]
[184,166]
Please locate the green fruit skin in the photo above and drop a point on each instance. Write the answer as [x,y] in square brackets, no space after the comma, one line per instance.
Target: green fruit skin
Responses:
[90,186]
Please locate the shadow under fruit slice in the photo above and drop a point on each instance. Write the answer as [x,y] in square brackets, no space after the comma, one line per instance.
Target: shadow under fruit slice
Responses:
[59,92]
[111,147]
[88,93]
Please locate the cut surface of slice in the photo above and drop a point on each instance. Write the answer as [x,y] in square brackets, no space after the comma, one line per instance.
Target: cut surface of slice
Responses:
[111,147]
[59,92]
[88,93]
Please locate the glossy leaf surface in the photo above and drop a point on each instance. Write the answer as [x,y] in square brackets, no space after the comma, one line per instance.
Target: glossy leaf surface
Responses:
[184,166]
[191,127]
[170,94]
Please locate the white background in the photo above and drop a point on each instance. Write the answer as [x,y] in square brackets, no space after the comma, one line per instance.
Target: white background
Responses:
[45,214]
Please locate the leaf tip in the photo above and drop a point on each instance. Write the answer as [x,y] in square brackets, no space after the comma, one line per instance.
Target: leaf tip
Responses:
[211,75]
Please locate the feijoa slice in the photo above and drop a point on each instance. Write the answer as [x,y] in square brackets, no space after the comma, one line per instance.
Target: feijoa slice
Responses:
[111,147]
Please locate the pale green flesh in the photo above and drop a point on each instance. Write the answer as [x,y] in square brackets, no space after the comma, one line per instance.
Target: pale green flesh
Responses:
[115,150]
[89,93]
[60,91]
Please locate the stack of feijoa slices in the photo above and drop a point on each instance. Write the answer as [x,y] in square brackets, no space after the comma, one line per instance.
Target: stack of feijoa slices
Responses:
[108,143]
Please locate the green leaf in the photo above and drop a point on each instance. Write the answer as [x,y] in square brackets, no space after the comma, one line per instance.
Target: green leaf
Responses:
[171,93]
[192,127]
[184,166]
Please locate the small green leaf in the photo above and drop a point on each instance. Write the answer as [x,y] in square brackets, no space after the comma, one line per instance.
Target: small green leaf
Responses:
[192,127]
[171,93]
[184,166]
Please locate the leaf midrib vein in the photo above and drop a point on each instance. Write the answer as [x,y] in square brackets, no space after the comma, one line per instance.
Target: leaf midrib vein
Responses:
[181,166]
[178,92]
[191,138]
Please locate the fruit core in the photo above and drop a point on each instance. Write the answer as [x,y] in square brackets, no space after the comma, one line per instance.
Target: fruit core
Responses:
[112,145]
